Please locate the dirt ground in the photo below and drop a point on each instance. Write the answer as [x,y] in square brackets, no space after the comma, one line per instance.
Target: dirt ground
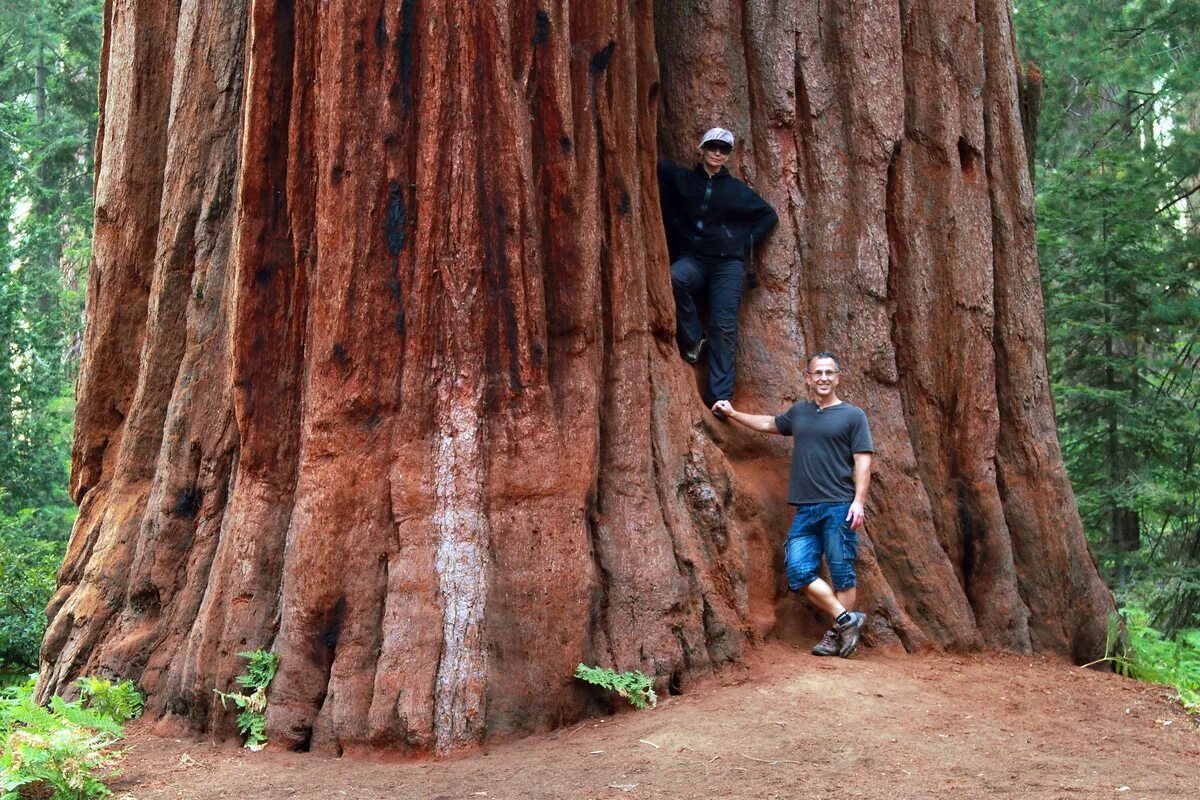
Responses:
[788,725]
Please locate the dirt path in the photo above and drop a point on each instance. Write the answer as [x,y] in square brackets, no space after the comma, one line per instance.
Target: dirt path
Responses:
[788,726]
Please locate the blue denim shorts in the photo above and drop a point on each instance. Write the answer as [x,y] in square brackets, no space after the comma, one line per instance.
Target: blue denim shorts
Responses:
[821,529]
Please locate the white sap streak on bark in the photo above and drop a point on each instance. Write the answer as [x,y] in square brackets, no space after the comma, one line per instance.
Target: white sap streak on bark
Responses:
[462,568]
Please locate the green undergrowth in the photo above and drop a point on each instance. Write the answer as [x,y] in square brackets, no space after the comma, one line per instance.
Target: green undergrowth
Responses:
[633,686]
[1149,656]
[66,750]
[251,720]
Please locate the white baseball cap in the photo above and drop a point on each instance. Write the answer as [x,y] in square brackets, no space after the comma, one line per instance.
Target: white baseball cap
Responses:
[717,135]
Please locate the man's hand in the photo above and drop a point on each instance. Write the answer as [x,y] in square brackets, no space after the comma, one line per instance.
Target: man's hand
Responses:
[856,515]
[723,409]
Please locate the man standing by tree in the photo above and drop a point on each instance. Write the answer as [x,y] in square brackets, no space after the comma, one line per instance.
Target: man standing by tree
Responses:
[713,221]
[831,470]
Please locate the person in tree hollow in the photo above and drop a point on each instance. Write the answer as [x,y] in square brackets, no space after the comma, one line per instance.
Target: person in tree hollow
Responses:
[831,470]
[713,221]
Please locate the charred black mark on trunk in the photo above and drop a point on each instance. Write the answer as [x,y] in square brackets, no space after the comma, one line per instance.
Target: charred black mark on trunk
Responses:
[400,322]
[675,682]
[145,599]
[327,637]
[541,28]
[188,502]
[322,654]
[601,58]
[971,535]
[336,172]
[339,355]
[395,289]
[393,224]
[381,36]
[180,705]
[566,144]
[263,275]
[499,278]
[624,203]
[404,50]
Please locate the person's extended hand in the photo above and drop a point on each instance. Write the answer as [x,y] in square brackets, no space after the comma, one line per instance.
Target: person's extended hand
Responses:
[722,409]
[856,515]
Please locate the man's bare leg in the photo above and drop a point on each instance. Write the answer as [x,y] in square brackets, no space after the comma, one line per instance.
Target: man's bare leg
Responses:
[845,631]
[847,597]
[823,597]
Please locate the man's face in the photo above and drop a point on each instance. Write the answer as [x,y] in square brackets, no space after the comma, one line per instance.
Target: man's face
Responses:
[822,377]
[715,154]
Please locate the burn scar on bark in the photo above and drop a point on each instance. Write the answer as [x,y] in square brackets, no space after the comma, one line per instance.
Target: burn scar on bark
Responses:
[462,566]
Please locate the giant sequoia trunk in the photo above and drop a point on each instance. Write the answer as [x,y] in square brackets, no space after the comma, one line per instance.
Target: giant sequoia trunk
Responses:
[380,369]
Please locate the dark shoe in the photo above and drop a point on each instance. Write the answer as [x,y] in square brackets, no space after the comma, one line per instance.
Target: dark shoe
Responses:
[850,633]
[829,645]
[692,354]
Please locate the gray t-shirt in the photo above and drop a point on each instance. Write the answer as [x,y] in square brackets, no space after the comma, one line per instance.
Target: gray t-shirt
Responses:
[823,453]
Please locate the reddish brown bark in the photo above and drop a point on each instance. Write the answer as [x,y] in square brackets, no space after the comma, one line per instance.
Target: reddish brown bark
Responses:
[380,368]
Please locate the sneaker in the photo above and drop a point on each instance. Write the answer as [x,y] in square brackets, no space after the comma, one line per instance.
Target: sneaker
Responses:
[850,633]
[829,645]
[692,354]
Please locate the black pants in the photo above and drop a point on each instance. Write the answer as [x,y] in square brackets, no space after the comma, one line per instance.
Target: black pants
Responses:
[722,278]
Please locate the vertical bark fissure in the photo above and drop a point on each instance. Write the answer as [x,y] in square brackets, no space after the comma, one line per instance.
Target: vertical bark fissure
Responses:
[596,67]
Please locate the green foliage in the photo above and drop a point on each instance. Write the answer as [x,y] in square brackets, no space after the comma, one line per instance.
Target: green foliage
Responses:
[633,686]
[120,701]
[1118,193]
[69,759]
[31,548]
[49,64]
[252,719]
[1150,656]
[64,751]
[48,77]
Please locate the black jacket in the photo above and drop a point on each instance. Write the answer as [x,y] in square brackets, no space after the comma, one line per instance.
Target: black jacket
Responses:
[717,216]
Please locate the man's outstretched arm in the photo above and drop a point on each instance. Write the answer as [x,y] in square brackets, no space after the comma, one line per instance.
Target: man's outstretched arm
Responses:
[763,423]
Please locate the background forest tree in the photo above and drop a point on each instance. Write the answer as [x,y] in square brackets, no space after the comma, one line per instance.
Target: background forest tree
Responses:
[1118,189]
[49,55]
[1118,183]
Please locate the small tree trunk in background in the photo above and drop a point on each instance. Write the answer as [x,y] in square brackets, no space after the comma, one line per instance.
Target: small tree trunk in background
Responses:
[380,366]
[39,85]
[1030,86]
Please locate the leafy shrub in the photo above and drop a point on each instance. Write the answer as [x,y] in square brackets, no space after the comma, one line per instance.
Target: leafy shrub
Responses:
[252,721]
[32,542]
[119,702]
[64,751]
[1154,658]
[633,686]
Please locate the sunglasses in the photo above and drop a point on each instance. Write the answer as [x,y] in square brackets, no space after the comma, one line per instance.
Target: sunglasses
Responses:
[719,147]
